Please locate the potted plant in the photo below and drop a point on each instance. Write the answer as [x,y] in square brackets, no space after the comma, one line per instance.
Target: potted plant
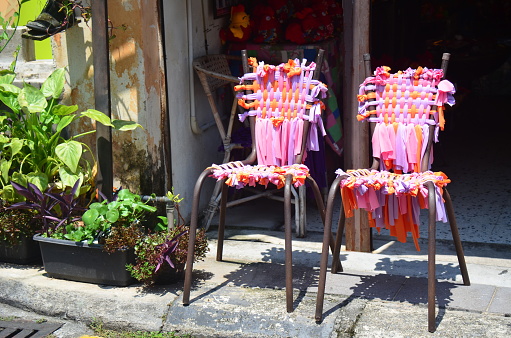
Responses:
[110,242]
[16,231]
[161,256]
[33,149]
[73,242]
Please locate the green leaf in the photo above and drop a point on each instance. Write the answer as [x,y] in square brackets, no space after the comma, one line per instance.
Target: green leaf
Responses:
[54,84]
[15,145]
[69,178]
[10,99]
[61,109]
[124,125]
[9,88]
[112,216]
[125,194]
[32,99]
[7,76]
[70,153]
[39,179]
[90,216]
[19,178]
[5,166]
[9,195]
[64,122]
[96,115]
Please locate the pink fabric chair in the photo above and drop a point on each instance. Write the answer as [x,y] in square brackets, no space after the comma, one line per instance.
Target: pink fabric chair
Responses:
[283,105]
[406,109]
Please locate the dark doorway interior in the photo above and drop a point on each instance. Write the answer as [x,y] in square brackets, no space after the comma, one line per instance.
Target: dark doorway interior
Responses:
[474,149]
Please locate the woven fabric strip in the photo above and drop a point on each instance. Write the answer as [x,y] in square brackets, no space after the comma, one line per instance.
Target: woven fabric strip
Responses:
[393,201]
[238,175]
[404,105]
[282,97]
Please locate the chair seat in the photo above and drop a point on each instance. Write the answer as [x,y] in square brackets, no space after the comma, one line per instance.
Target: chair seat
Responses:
[393,200]
[238,175]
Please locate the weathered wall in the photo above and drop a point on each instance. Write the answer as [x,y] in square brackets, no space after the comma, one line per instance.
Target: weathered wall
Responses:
[185,37]
[139,91]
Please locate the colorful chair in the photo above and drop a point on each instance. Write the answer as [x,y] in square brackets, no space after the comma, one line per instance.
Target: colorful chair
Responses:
[283,105]
[214,74]
[406,109]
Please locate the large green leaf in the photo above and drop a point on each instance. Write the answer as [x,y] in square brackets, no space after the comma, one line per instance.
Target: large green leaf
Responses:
[5,166]
[39,179]
[10,99]
[32,99]
[125,125]
[70,153]
[9,195]
[10,88]
[15,145]
[61,109]
[64,122]
[54,84]
[7,76]
[96,115]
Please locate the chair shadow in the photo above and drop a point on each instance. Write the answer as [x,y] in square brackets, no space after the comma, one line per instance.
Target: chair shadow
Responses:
[269,273]
[399,280]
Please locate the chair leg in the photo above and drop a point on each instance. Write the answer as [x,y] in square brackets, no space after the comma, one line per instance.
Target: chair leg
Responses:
[221,221]
[318,196]
[192,234]
[288,244]
[456,237]
[327,236]
[212,206]
[336,262]
[301,230]
[431,257]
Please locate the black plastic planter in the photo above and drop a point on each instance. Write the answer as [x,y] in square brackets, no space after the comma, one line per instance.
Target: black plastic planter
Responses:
[81,262]
[26,251]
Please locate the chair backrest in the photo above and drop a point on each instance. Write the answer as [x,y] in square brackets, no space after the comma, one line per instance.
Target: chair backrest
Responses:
[284,108]
[213,71]
[407,109]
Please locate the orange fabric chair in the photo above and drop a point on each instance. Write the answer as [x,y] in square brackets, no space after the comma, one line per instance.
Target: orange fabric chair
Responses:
[407,111]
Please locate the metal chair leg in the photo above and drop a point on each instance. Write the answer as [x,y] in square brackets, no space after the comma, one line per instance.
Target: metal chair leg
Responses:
[336,262]
[431,257]
[300,205]
[327,236]
[192,234]
[221,221]
[456,237]
[288,245]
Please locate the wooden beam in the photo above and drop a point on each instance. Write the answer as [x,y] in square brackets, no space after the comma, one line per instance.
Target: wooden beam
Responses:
[101,61]
[356,38]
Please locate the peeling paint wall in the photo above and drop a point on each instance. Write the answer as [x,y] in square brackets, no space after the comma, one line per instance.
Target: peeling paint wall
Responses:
[141,92]
[137,89]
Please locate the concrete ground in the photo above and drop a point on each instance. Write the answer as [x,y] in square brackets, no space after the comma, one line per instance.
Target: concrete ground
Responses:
[379,294]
